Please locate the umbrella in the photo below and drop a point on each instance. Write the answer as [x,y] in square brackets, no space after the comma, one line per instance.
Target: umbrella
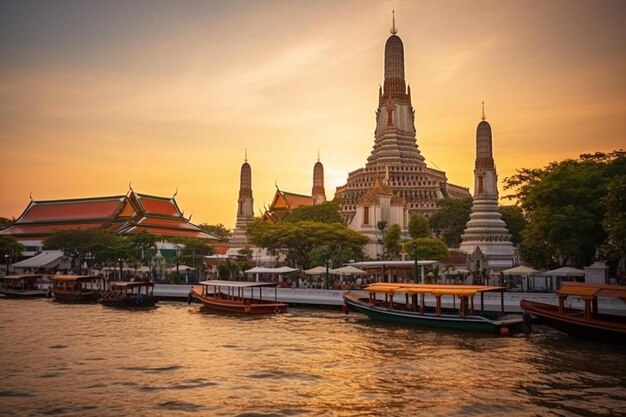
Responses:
[520,270]
[347,270]
[318,270]
[566,271]
[144,269]
[181,268]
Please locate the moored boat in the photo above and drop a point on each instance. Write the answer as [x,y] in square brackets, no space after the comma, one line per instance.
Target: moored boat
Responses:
[412,309]
[76,288]
[21,286]
[238,297]
[589,323]
[130,295]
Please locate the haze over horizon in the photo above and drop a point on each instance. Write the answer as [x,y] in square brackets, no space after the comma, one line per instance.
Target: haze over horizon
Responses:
[167,95]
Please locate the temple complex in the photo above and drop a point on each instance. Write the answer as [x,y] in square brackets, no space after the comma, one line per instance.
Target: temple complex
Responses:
[486,239]
[395,154]
[129,213]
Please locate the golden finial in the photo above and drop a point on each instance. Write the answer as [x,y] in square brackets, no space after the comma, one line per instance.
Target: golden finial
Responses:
[483,116]
[246,155]
[318,155]
[393,30]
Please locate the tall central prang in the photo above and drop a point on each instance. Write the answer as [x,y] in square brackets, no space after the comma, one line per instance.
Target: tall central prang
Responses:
[396,159]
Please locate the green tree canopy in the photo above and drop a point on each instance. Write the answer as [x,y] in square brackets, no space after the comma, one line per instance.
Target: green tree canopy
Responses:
[4,222]
[92,244]
[428,248]
[614,221]
[305,241]
[327,212]
[9,246]
[448,223]
[515,221]
[218,230]
[391,240]
[418,226]
[565,205]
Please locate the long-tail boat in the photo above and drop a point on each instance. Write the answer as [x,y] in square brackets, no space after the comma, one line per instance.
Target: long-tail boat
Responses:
[21,286]
[130,295]
[588,323]
[76,288]
[238,297]
[405,304]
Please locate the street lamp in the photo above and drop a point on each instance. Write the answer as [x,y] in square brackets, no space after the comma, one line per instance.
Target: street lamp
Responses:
[6,258]
[415,267]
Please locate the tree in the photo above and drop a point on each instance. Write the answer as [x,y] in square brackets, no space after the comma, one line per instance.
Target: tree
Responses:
[143,245]
[614,220]
[418,226]
[4,222]
[327,212]
[97,245]
[515,221]
[297,241]
[428,248]
[565,205]
[9,247]
[391,240]
[218,230]
[448,223]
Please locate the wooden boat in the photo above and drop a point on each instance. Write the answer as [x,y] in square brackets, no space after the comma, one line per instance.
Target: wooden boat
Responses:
[76,288]
[405,304]
[237,297]
[21,286]
[130,295]
[589,323]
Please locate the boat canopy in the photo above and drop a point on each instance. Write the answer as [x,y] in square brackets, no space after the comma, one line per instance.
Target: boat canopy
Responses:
[133,284]
[29,277]
[81,278]
[434,289]
[238,284]
[590,291]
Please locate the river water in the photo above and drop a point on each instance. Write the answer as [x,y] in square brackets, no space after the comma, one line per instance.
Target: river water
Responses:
[179,360]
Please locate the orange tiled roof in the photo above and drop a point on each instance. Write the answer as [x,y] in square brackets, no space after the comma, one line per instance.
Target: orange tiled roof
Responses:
[126,214]
[75,209]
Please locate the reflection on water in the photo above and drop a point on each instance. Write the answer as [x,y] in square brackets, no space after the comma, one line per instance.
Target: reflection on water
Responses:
[177,360]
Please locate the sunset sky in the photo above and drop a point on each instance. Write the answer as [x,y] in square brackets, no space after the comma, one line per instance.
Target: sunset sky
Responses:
[167,95]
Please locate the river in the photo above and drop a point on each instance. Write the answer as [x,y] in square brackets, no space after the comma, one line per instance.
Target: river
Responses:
[63,360]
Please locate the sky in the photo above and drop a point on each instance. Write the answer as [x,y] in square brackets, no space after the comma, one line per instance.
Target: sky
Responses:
[167,96]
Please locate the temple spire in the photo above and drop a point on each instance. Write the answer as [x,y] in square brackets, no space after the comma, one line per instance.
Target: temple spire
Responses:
[483,117]
[393,30]
[245,159]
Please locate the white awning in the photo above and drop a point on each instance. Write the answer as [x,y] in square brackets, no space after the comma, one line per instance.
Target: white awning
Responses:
[520,270]
[46,259]
[566,271]
[260,270]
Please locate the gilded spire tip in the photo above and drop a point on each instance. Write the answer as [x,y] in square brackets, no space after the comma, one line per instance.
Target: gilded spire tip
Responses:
[393,30]
[245,155]
[483,117]
[318,155]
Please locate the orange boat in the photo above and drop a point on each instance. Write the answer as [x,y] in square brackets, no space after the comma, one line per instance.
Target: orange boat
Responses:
[590,323]
[238,297]
[76,288]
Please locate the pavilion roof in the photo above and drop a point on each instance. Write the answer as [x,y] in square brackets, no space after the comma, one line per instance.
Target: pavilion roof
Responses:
[128,213]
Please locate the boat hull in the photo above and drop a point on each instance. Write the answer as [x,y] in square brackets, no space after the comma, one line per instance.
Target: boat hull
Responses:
[9,293]
[75,297]
[239,306]
[472,323]
[148,301]
[573,323]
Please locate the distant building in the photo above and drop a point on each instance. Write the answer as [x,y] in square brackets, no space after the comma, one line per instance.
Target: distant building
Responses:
[395,161]
[486,239]
[126,214]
